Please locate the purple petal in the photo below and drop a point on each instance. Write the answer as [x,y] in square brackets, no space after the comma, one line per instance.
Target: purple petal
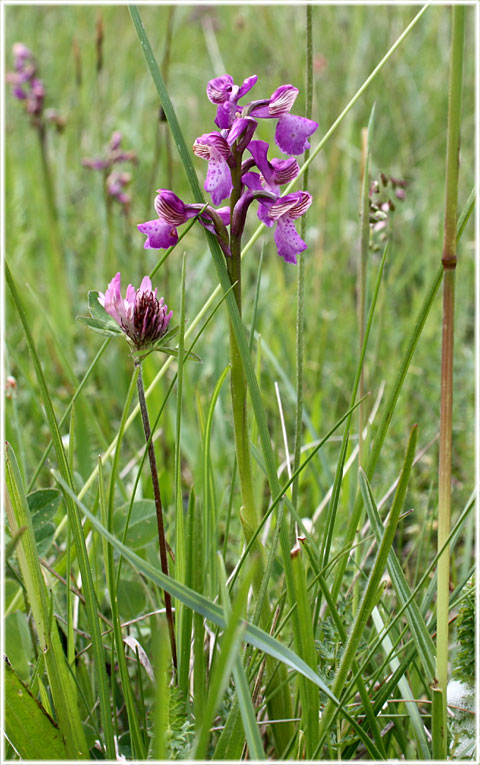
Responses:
[160,235]
[145,286]
[170,208]
[219,180]
[259,150]
[247,85]
[252,181]
[285,170]
[283,205]
[289,243]
[115,140]
[292,133]
[219,89]
[225,115]
[243,128]
[304,200]
[263,213]
[211,146]
[282,100]
[224,213]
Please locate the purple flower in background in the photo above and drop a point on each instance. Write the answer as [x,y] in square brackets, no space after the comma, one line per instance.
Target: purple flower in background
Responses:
[116,183]
[214,148]
[114,155]
[223,92]
[292,131]
[142,317]
[26,86]
[283,213]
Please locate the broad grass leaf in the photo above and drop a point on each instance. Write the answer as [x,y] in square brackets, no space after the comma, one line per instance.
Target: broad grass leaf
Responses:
[43,505]
[18,643]
[142,528]
[131,598]
[31,730]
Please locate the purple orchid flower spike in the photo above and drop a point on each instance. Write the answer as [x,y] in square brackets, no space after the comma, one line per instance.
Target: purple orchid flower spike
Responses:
[292,131]
[223,92]
[283,213]
[214,148]
[142,317]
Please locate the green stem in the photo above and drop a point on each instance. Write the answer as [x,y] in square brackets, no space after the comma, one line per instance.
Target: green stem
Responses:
[449,261]
[238,384]
[55,263]
[301,285]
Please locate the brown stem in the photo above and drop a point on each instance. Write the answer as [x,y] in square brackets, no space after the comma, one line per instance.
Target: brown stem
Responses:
[158,505]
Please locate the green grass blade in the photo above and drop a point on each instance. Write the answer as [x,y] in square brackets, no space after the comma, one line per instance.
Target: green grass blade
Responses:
[62,688]
[305,647]
[245,704]
[224,663]
[369,596]
[418,628]
[79,539]
[404,689]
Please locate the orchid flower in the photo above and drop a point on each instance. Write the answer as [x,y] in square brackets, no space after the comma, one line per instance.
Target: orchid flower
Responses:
[292,131]
[283,213]
[223,92]
[162,232]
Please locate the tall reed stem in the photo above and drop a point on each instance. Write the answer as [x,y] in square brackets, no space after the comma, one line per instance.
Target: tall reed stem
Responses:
[449,262]
[158,505]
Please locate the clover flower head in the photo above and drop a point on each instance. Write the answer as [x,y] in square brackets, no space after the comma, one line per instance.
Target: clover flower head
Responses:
[142,317]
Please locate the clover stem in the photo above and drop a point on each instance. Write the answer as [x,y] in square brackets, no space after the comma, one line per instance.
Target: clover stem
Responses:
[158,507]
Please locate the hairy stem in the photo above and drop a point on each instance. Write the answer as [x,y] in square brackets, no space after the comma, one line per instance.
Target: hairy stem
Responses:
[158,506]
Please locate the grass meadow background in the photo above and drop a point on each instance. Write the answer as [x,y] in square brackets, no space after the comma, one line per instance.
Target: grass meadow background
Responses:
[409,142]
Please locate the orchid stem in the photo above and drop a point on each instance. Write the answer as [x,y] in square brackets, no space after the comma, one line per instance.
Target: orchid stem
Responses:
[301,287]
[238,383]
[449,261]
[158,506]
